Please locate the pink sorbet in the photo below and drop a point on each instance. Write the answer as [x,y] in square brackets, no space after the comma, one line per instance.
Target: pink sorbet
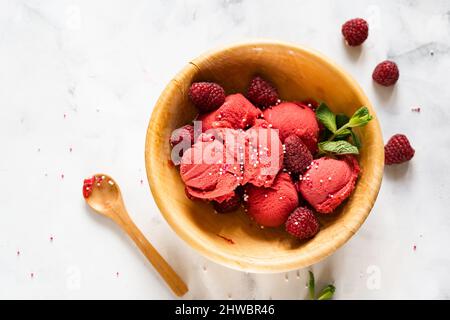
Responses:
[263,155]
[328,182]
[294,118]
[270,207]
[236,113]
[205,173]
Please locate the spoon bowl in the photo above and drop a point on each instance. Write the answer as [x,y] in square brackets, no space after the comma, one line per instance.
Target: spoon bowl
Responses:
[105,195]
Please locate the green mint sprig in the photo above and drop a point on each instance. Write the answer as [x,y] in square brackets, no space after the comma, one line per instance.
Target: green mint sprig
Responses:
[338,147]
[311,286]
[326,293]
[339,129]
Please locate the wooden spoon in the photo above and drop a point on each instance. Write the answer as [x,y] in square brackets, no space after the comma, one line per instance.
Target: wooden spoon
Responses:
[105,198]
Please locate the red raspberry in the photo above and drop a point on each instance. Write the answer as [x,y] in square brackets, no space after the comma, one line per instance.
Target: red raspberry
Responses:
[297,156]
[229,205]
[186,134]
[178,135]
[386,73]
[206,96]
[302,223]
[355,31]
[261,93]
[398,150]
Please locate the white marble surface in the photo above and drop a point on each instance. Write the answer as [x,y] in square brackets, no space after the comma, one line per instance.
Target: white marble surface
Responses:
[85,75]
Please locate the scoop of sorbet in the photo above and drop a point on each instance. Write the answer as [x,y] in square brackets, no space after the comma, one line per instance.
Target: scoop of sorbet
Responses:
[236,113]
[328,182]
[263,155]
[270,207]
[205,172]
[294,118]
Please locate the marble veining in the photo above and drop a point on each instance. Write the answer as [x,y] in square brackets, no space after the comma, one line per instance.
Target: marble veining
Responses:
[77,84]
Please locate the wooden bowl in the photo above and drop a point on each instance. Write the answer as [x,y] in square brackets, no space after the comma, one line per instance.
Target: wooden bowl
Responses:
[233,239]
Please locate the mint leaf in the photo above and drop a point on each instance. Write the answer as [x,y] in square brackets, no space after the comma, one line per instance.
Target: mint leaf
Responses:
[339,128]
[341,120]
[327,292]
[328,119]
[311,286]
[355,139]
[361,112]
[338,147]
[343,134]
[360,118]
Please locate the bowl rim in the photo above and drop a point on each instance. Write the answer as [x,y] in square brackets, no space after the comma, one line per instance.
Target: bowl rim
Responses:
[326,249]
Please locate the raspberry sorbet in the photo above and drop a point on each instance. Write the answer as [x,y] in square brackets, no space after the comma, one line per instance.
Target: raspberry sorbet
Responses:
[328,182]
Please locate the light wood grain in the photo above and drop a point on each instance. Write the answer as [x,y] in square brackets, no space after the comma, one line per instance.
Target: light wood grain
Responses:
[107,200]
[298,73]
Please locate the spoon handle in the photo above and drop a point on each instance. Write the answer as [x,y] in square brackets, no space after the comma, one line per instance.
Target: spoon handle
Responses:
[165,270]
